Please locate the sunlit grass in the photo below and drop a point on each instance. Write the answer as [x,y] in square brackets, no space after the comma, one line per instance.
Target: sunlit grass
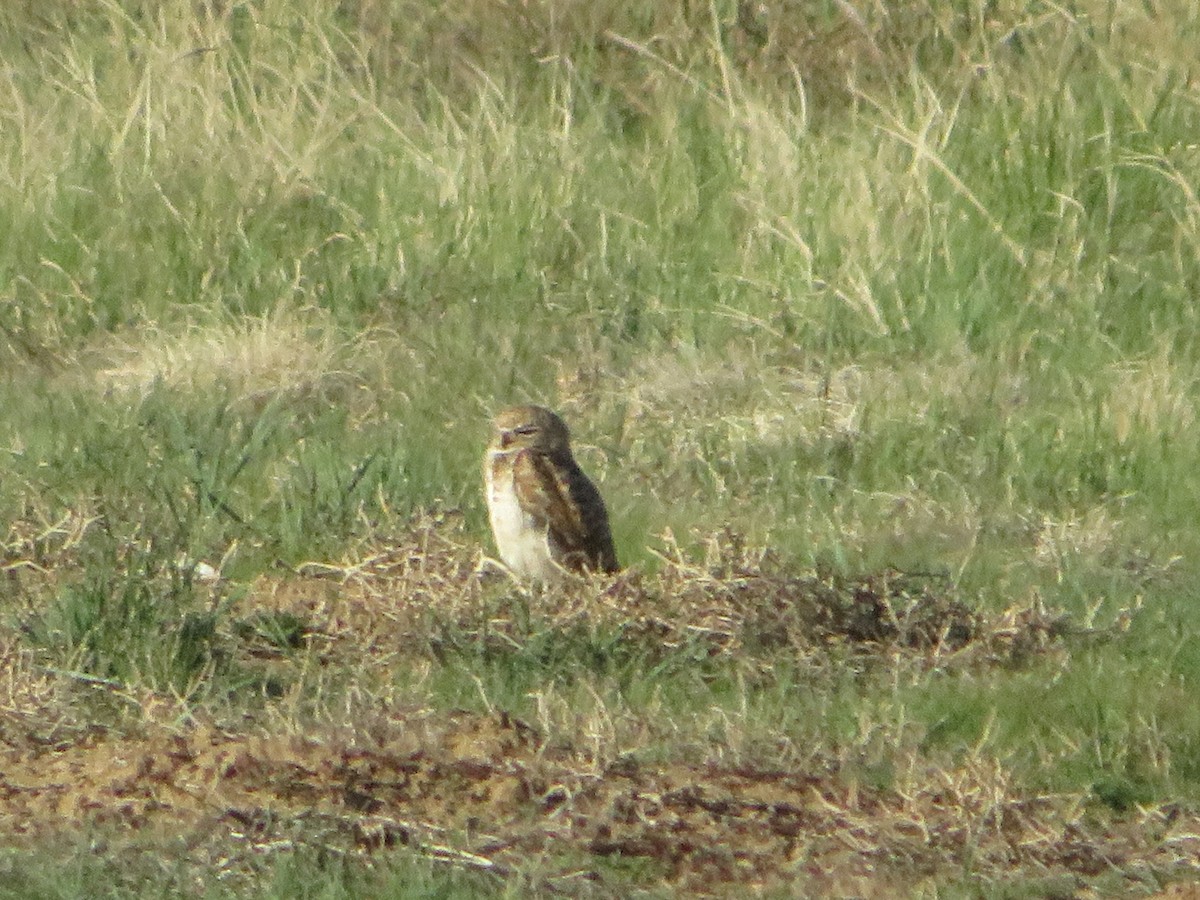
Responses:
[908,289]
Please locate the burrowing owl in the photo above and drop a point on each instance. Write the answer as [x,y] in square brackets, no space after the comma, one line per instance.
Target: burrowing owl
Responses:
[546,515]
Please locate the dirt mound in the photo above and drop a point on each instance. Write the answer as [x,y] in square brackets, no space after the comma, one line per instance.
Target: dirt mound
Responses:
[737,602]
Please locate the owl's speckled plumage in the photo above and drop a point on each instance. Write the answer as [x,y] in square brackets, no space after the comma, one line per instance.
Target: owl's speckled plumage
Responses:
[546,514]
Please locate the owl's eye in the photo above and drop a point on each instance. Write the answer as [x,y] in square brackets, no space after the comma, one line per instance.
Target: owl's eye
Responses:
[526,429]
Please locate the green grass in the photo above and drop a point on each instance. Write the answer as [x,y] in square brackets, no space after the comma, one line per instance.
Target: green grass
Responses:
[302,872]
[916,292]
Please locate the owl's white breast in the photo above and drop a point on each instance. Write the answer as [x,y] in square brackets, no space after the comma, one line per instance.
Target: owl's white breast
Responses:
[520,540]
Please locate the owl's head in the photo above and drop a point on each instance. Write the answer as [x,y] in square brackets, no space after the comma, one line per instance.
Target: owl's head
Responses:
[532,427]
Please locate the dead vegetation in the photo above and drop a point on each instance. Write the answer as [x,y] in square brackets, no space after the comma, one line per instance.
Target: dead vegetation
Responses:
[738,602]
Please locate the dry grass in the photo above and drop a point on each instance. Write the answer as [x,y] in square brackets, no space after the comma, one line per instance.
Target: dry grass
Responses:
[292,355]
[1151,396]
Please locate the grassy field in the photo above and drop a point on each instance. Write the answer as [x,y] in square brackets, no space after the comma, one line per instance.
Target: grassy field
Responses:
[875,322]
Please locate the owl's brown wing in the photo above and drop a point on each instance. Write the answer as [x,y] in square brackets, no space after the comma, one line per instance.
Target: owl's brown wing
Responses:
[559,495]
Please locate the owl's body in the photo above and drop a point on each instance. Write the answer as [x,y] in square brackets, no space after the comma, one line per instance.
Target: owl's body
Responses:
[546,515]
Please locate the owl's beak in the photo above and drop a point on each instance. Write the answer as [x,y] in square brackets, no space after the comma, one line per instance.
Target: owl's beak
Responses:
[505,439]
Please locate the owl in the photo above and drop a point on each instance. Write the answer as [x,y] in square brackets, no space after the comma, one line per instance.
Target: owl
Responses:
[546,515]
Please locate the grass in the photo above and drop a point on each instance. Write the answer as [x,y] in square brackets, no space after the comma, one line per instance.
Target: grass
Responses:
[123,871]
[825,294]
